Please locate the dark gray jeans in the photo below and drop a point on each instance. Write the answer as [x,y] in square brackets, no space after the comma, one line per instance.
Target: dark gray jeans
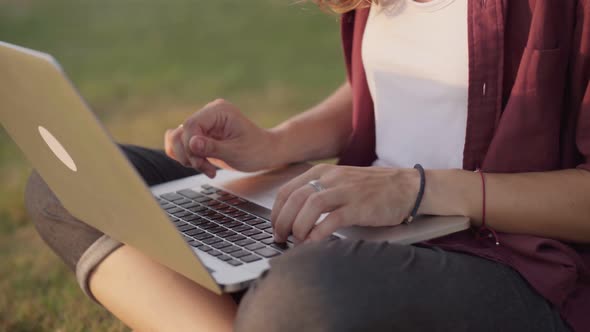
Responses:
[339,285]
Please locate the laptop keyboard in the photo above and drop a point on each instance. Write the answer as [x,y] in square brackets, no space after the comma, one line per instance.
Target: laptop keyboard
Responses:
[229,228]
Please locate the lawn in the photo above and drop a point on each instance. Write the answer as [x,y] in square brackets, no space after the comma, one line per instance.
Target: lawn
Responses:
[143,66]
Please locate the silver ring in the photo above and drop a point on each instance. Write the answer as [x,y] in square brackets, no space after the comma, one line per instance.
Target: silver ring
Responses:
[317,186]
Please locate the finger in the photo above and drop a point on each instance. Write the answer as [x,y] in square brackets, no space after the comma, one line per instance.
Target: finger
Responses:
[284,222]
[337,219]
[296,183]
[207,122]
[168,144]
[192,129]
[210,148]
[203,165]
[178,148]
[317,204]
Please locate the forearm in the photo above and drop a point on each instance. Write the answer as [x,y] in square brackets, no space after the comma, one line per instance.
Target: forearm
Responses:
[319,133]
[549,204]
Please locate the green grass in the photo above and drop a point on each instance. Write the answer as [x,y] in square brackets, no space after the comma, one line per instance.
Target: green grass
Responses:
[143,66]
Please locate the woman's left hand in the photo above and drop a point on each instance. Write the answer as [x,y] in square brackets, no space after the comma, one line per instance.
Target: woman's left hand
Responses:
[363,196]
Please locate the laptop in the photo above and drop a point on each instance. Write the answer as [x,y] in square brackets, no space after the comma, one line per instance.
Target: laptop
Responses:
[215,232]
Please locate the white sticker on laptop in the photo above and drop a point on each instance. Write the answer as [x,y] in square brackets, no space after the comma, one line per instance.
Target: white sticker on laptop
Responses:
[57,149]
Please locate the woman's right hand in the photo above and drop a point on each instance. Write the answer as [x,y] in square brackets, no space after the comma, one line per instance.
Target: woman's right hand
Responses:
[220,135]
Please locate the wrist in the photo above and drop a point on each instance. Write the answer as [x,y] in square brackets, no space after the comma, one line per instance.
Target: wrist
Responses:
[283,150]
[452,193]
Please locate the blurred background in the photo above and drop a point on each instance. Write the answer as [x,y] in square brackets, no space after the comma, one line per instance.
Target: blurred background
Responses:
[144,66]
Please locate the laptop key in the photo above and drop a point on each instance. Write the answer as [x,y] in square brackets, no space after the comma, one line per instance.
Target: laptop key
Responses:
[246,217]
[174,210]
[252,232]
[254,221]
[202,199]
[230,209]
[207,213]
[264,226]
[216,229]
[233,224]
[261,236]
[227,197]
[267,252]
[172,197]
[216,216]
[240,253]
[243,228]
[213,203]
[237,202]
[220,245]
[212,240]
[208,191]
[194,232]
[268,241]
[245,242]
[255,246]
[234,262]
[229,249]
[214,253]
[207,186]
[186,227]
[209,225]
[189,204]
[189,193]
[182,213]
[200,222]
[280,246]
[225,220]
[182,201]
[204,248]
[235,238]
[166,205]
[197,209]
[224,258]
[250,258]
[191,217]
[203,236]
[226,234]
[236,214]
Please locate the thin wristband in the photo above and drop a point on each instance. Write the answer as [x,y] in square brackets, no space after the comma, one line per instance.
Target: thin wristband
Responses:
[484,226]
[414,211]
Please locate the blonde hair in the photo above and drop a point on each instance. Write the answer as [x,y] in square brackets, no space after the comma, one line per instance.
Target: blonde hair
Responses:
[343,6]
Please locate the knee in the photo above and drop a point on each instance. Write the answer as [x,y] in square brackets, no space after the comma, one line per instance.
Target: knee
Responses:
[65,235]
[38,200]
[294,295]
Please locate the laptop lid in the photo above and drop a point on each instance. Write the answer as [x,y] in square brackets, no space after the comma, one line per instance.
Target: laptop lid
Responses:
[67,145]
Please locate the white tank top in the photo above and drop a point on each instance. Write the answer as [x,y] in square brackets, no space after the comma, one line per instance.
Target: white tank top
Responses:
[417,64]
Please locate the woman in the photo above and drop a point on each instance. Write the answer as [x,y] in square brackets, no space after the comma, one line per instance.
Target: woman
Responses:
[497,86]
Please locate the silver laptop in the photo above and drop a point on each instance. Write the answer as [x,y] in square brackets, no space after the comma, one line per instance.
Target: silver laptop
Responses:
[215,232]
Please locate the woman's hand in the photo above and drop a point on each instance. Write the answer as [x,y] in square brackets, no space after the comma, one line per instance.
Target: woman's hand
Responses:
[364,196]
[219,134]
